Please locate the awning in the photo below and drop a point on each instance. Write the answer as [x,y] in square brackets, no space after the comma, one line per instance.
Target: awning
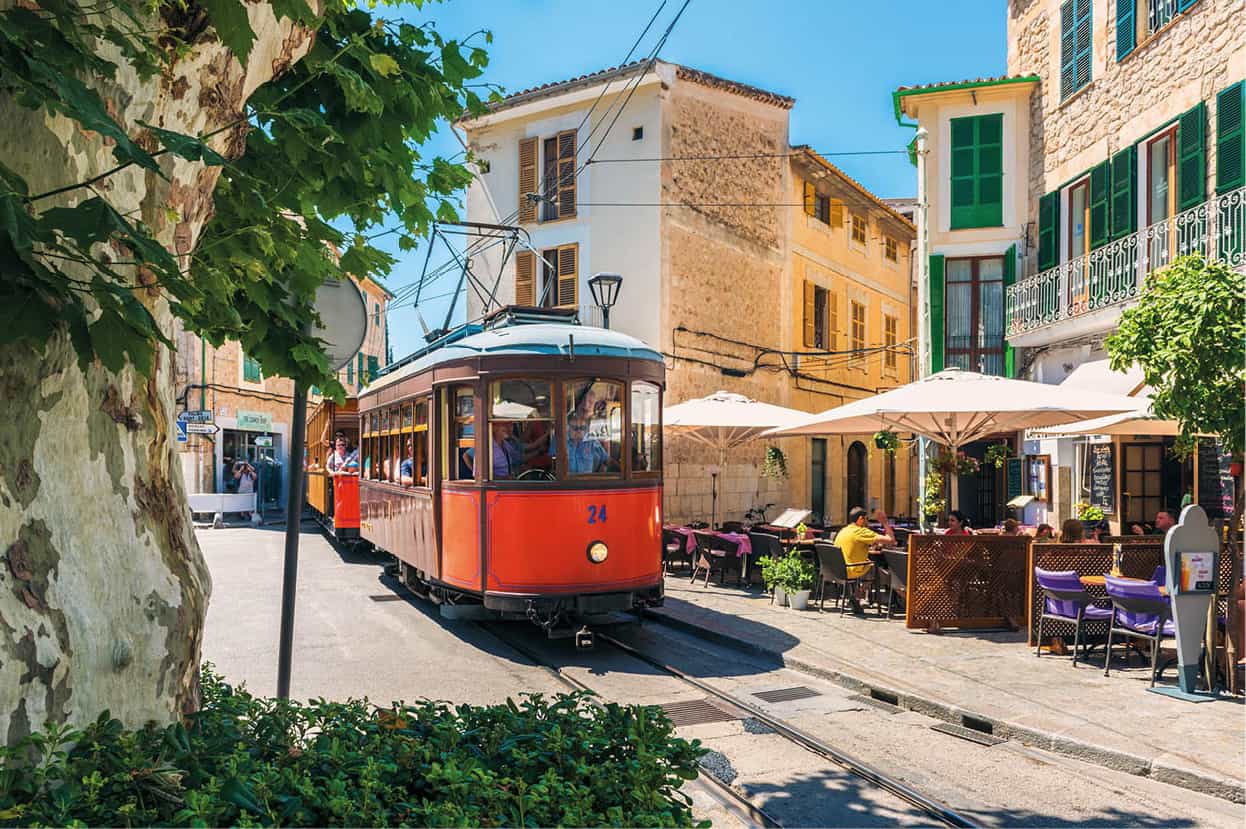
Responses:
[1097,375]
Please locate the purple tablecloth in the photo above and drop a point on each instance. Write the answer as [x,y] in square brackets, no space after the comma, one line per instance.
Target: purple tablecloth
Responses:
[745,545]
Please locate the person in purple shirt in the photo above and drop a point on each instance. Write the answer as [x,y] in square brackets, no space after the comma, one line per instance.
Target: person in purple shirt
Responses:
[507,454]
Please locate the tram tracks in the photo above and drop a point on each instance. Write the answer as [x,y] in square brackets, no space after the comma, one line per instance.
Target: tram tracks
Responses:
[724,794]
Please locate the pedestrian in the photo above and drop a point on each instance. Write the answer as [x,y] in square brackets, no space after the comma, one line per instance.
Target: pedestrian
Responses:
[246,477]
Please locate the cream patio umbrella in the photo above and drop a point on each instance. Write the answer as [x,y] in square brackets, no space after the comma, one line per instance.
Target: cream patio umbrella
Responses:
[723,421]
[955,407]
[1140,422]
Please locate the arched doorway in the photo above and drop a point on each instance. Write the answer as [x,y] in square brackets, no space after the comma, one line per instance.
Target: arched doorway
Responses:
[857,468]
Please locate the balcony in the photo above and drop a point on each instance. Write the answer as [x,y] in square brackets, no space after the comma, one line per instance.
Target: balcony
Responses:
[1086,295]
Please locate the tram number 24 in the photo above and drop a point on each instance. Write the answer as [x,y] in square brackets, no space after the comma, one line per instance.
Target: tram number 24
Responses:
[597,514]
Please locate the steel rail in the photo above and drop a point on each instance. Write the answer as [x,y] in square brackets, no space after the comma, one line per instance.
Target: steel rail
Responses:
[717,790]
[930,806]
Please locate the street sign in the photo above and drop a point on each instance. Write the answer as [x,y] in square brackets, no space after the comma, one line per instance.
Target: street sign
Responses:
[197,416]
[255,421]
[181,430]
[263,440]
[202,428]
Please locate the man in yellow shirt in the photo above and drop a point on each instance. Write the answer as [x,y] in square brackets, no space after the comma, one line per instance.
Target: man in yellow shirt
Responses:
[856,538]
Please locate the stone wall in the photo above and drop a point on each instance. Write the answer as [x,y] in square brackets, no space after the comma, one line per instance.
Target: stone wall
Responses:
[723,285]
[1198,54]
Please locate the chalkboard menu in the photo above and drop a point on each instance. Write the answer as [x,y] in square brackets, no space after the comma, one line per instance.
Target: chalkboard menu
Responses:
[1013,478]
[1102,466]
[1215,482]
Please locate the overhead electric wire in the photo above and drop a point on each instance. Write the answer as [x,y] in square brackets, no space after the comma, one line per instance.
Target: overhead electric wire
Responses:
[742,156]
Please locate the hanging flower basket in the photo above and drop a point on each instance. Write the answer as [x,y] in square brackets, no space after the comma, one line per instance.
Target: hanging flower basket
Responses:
[775,463]
[887,440]
[997,454]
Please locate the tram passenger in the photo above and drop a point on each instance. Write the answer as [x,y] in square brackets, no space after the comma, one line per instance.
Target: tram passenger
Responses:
[406,470]
[508,455]
[342,458]
[585,455]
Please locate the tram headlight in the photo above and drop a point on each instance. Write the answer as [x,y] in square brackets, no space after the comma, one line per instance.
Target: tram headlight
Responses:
[597,552]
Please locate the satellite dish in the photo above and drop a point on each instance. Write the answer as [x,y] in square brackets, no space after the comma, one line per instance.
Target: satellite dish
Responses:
[344,318]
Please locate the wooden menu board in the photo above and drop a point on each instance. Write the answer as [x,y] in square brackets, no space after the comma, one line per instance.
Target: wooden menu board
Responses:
[1215,482]
[1101,462]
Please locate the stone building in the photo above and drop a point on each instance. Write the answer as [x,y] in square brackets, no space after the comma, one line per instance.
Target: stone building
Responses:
[689,195]
[1113,145]
[252,411]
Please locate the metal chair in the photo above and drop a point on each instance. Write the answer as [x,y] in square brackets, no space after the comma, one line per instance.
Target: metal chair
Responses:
[833,569]
[1065,600]
[897,575]
[674,550]
[1139,610]
[765,545]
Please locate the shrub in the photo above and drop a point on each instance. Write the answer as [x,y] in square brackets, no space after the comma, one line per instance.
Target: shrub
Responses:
[790,572]
[250,761]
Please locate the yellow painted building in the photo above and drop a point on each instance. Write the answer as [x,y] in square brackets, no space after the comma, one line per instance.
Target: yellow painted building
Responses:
[850,328]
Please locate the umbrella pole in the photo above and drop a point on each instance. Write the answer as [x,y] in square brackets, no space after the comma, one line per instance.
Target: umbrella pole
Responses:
[954,497]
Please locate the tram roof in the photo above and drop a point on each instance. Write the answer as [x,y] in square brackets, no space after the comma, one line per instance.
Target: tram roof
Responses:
[540,338]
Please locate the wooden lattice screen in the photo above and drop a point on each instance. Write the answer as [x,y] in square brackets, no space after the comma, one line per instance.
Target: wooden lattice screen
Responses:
[967,581]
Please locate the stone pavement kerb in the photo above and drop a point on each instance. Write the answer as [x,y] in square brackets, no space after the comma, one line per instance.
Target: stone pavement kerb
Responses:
[985,680]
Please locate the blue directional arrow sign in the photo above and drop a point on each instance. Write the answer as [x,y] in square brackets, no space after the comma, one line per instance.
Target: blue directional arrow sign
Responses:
[181,430]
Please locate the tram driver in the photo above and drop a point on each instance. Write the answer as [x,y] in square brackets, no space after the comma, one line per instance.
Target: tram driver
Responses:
[585,455]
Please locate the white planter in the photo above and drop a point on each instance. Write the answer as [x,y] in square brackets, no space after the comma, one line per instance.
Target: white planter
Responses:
[799,600]
[780,596]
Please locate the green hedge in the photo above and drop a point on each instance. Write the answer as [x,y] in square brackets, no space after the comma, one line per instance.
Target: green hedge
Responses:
[252,761]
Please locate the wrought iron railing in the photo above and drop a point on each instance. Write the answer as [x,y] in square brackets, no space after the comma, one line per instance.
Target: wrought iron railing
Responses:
[1116,272]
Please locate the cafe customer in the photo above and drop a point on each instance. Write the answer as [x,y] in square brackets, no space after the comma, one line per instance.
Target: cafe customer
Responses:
[855,540]
[1165,520]
[1072,531]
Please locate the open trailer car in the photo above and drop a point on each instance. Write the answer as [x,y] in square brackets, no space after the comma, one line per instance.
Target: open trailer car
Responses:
[517,466]
[334,499]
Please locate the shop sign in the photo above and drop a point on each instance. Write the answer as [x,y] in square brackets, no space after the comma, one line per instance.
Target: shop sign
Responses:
[254,421]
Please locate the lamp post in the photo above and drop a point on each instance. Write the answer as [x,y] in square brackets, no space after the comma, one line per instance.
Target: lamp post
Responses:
[605,288]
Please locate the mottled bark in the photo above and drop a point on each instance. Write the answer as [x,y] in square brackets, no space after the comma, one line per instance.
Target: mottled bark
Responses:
[103,589]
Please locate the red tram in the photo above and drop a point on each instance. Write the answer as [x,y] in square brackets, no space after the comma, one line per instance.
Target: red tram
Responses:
[335,500]
[517,466]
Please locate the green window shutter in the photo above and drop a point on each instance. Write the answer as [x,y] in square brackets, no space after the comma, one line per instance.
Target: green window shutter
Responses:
[1230,138]
[1076,39]
[373,367]
[1010,278]
[1182,5]
[251,370]
[936,313]
[1192,157]
[350,373]
[977,171]
[359,375]
[1124,207]
[1100,233]
[1126,27]
[1049,231]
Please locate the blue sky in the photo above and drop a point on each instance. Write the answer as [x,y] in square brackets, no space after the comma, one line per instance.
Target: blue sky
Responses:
[839,60]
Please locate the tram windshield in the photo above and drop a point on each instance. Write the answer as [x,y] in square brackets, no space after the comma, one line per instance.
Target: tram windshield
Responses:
[521,430]
[594,427]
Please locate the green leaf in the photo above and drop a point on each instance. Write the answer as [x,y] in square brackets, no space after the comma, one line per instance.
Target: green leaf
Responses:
[384,64]
[187,146]
[294,10]
[229,18]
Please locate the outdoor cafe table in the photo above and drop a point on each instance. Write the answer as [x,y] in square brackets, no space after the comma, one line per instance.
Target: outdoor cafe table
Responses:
[744,546]
[1101,581]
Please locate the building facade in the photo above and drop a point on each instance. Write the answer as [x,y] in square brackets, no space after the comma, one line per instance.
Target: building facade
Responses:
[253,412]
[690,195]
[1113,146]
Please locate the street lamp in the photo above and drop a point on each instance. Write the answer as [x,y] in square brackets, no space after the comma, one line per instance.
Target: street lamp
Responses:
[605,288]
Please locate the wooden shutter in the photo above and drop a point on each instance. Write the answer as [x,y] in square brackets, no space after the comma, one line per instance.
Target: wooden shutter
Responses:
[837,214]
[832,315]
[527,179]
[1100,232]
[373,367]
[1049,231]
[1182,5]
[524,281]
[811,199]
[1231,138]
[1124,207]
[809,314]
[1126,27]
[936,313]
[568,275]
[1075,45]
[1010,278]
[566,174]
[1192,157]
[359,381]
[977,171]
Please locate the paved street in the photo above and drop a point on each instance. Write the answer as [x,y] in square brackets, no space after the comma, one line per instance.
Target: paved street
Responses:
[347,644]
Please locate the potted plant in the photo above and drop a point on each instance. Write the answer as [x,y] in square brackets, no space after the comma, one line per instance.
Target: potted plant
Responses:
[775,464]
[997,454]
[794,576]
[1089,515]
[770,575]
[887,440]
[933,503]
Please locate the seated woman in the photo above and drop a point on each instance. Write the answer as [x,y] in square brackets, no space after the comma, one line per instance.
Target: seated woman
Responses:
[1044,532]
[958,523]
[1072,531]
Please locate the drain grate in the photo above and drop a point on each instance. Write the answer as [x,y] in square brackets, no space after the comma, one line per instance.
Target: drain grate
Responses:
[969,734]
[695,712]
[787,694]
[387,597]
[880,704]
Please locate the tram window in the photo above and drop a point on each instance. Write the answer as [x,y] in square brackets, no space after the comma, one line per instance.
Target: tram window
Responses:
[594,427]
[396,443]
[462,435]
[521,430]
[419,456]
[646,432]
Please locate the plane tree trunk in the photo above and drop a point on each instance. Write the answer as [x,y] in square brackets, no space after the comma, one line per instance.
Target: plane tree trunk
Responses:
[103,589]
